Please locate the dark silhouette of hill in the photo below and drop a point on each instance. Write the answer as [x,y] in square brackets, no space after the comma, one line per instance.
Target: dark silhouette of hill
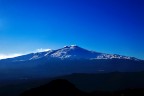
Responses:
[59,87]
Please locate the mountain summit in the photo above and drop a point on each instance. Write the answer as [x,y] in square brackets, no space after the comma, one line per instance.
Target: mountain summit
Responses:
[74,52]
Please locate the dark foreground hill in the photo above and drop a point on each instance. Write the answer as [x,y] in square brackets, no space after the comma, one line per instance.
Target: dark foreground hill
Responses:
[61,87]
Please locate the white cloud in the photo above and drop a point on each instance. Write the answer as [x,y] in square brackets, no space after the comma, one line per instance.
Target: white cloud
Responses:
[42,50]
[3,56]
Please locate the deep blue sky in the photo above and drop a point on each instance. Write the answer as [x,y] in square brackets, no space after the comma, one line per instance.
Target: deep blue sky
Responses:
[110,26]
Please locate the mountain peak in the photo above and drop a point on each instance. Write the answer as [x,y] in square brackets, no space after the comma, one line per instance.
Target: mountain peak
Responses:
[71,46]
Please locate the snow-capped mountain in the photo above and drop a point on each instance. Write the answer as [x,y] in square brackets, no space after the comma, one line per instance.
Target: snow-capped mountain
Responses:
[71,52]
[67,60]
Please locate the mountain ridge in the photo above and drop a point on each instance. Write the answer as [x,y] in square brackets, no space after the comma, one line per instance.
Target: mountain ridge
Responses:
[71,52]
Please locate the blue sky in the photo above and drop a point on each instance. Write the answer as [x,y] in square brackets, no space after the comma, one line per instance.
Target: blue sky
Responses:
[110,26]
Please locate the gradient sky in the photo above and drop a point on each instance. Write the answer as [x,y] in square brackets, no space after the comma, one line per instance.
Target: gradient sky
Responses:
[109,26]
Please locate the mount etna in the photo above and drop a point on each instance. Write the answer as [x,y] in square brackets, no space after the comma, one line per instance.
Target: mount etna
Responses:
[65,61]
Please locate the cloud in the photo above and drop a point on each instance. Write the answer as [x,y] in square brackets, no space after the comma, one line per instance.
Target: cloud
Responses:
[3,56]
[42,50]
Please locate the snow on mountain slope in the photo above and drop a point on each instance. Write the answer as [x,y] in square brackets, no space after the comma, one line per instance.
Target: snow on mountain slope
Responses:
[76,52]
[71,52]
[40,55]
[114,56]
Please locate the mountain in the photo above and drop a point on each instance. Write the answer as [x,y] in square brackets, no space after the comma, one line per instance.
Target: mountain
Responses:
[67,60]
[70,52]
